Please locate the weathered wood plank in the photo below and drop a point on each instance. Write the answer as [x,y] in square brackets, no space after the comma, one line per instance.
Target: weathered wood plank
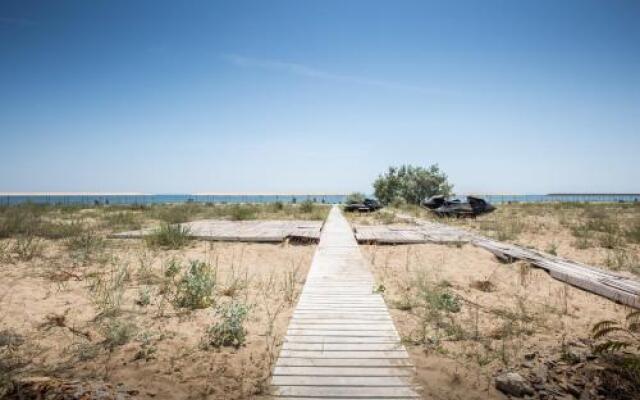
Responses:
[341,342]
[343,354]
[342,339]
[342,346]
[242,231]
[343,371]
[364,381]
[351,391]
[343,362]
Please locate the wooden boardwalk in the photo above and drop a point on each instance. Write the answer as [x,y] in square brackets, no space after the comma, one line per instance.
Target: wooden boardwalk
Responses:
[242,231]
[341,342]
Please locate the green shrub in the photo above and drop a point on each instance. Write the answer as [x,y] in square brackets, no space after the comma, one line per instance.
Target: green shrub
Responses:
[144,297]
[277,206]
[169,237]
[195,288]
[172,268]
[241,212]
[306,206]
[117,333]
[411,183]
[229,328]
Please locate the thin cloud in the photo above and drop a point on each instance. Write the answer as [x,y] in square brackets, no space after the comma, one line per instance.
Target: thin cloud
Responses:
[310,72]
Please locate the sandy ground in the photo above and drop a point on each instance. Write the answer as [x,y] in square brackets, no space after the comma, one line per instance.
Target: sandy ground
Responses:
[458,353]
[52,304]
[595,234]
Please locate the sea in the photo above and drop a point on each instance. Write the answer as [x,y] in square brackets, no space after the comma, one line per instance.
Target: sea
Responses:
[148,199]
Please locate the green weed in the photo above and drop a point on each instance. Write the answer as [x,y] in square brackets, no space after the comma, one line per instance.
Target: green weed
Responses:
[169,237]
[196,287]
[229,328]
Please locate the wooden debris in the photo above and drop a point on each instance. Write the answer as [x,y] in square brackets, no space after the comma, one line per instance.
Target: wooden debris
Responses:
[243,231]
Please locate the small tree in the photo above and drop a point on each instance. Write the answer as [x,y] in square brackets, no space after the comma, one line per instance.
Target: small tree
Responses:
[411,184]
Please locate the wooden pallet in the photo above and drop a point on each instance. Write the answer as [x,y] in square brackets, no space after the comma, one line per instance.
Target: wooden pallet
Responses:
[341,342]
[243,231]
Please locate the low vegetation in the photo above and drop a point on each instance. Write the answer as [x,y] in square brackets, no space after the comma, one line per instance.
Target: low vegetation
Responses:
[195,288]
[122,314]
[169,236]
[228,330]
[460,309]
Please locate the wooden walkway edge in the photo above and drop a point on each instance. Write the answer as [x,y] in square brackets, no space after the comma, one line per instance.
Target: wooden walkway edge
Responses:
[341,342]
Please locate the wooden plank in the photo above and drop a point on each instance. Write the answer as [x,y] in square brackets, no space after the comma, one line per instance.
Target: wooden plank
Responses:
[342,346]
[343,362]
[383,326]
[321,332]
[351,391]
[364,381]
[241,231]
[343,371]
[341,342]
[342,339]
[343,354]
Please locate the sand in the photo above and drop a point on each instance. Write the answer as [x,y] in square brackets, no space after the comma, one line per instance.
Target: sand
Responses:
[164,359]
[540,312]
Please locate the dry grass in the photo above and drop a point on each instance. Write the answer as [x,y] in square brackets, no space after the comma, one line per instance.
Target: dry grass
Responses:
[599,234]
[464,316]
[119,311]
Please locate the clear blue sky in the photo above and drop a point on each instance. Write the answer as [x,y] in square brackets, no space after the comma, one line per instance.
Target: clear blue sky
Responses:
[191,96]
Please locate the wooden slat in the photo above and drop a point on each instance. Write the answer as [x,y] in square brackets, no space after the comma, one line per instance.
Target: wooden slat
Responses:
[341,342]
[343,362]
[358,392]
[364,381]
[343,371]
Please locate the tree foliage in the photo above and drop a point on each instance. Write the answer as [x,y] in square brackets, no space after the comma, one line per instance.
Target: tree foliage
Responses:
[411,184]
[355,197]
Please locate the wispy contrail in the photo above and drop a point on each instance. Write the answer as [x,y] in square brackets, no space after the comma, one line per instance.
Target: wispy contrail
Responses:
[310,72]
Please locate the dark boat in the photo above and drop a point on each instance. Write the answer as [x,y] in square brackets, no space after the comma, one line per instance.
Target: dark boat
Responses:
[367,205]
[443,207]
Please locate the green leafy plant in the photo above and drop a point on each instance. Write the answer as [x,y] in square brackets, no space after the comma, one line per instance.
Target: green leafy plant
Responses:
[229,328]
[618,335]
[144,297]
[411,183]
[196,287]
